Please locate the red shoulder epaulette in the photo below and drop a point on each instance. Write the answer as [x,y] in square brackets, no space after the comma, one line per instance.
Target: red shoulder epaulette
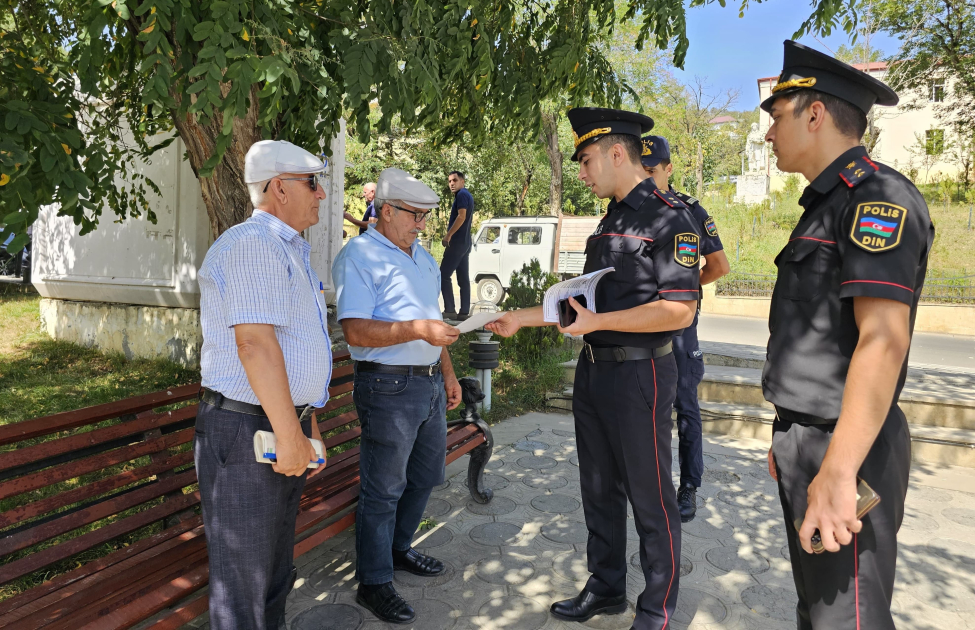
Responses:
[858,170]
[669,198]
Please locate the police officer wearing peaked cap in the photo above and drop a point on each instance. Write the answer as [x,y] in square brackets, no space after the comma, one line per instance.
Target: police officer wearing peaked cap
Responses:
[627,376]
[841,320]
[687,351]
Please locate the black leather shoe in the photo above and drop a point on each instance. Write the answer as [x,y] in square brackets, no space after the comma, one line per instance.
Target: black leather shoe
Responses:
[384,602]
[416,563]
[462,316]
[687,502]
[449,315]
[587,605]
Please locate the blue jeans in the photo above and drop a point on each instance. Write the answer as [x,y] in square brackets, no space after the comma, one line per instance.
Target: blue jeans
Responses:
[455,259]
[249,514]
[402,457]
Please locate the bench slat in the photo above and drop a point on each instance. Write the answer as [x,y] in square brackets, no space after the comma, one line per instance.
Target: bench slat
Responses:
[80,467]
[57,501]
[90,573]
[38,427]
[342,438]
[337,421]
[66,420]
[98,511]
[150,604]
[337,397]
[104,602]
[193,609]
[45,557]
[71,443]
[118,589]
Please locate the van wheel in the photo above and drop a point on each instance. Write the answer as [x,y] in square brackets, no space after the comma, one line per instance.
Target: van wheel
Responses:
[490,289]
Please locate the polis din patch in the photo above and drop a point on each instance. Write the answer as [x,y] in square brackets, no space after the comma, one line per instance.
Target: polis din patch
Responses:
[878,225]
[687,251]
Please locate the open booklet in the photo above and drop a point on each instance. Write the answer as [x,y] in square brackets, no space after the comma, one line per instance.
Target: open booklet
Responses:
[580,285]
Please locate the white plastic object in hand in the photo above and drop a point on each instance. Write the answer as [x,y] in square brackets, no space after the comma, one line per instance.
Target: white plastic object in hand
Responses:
[265,444]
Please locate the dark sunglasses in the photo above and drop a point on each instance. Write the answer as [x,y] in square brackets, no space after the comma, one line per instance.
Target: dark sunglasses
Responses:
[314,181]
[417,216]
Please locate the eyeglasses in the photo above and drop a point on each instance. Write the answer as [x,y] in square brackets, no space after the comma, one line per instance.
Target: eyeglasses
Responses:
[314,180]
[417,216]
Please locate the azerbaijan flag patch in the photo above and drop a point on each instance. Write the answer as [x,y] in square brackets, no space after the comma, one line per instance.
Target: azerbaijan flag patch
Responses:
[686,249]
[877,226]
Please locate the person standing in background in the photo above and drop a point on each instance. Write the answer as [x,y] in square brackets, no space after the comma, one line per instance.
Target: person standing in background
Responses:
[369,216]
[458,249]
[690,359]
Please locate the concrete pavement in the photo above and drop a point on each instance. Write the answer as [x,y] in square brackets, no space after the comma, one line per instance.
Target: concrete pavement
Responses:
[510,559]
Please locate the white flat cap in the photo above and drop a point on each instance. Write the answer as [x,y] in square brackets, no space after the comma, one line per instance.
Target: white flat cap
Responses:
[270,158]
[395,183]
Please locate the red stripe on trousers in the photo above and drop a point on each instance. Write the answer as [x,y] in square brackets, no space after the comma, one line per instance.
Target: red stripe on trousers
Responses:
[660,492]
[856,578]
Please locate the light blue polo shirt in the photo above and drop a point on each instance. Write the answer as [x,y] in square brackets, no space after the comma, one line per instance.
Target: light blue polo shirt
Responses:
[375,279]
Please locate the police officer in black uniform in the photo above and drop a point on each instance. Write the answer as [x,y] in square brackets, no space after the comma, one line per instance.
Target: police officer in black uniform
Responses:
[627,376]
[841,321]
[687,351]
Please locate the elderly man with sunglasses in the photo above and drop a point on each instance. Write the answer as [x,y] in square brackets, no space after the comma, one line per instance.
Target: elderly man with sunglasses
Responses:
[266,362]
[387,289]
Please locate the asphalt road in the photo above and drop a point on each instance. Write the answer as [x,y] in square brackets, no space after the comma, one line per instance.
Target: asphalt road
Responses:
[954,351]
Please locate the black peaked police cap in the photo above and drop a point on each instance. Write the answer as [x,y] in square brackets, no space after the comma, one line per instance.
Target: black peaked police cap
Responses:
[804,68]
[592,123]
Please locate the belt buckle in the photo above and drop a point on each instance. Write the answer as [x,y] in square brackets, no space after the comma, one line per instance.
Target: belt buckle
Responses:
[588,349]
[429,370]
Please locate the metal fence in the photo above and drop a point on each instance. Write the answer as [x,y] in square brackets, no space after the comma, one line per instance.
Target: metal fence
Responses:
[937,288]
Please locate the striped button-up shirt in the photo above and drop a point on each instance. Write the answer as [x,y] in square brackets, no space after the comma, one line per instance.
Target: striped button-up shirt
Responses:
[259,272]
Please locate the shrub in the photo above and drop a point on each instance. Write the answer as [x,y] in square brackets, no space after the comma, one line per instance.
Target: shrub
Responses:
[527,289]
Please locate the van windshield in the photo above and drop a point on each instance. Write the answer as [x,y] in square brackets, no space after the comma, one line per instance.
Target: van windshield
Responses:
[490,234]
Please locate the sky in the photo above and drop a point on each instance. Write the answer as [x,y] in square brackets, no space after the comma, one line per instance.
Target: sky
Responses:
[733,53]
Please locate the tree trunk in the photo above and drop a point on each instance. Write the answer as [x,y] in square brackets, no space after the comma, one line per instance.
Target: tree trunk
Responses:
[224,193]
[699,168]
[524,191]
[550,140]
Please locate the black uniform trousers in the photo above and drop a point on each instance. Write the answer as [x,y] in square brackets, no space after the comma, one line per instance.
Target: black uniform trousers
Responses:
[852,588]
[623,429]
[690,373]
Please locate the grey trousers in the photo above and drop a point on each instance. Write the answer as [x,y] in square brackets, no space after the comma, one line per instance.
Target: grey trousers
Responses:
[852,588]
[249,514]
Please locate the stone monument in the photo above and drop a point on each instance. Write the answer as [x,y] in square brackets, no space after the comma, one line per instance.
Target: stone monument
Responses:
[753,183]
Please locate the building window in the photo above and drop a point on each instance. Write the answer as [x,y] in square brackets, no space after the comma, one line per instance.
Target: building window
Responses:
[934,141]
[936,90]
[524,235]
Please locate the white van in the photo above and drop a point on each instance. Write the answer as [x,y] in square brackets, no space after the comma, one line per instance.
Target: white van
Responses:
[504,245]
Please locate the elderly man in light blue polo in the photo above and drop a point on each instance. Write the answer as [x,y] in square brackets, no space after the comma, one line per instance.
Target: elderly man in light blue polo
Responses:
[266,362]
[388,289]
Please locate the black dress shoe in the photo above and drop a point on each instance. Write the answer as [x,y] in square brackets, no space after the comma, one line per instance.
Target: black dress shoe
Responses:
[463,316]
[450,315]
[687,502]
[383,601]
[416,563]
[587,605]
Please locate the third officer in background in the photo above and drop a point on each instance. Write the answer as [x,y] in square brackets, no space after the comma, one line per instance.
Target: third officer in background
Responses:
[841,321]
[687,351]
[626,378]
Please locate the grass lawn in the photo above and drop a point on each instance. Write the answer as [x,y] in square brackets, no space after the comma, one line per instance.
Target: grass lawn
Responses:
[753,235]
[40,376]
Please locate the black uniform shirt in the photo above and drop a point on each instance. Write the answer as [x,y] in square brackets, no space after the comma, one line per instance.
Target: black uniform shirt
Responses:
[865,232]
[650,239]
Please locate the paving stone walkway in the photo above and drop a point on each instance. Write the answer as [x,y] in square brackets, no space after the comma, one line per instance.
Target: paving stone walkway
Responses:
[509,560]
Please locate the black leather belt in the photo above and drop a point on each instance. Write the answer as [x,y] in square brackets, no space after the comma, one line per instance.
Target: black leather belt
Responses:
[220,401]
[625,353]
[797,417]
[414,370]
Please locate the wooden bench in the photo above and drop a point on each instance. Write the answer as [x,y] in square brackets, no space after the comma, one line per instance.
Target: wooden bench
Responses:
[109,501]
